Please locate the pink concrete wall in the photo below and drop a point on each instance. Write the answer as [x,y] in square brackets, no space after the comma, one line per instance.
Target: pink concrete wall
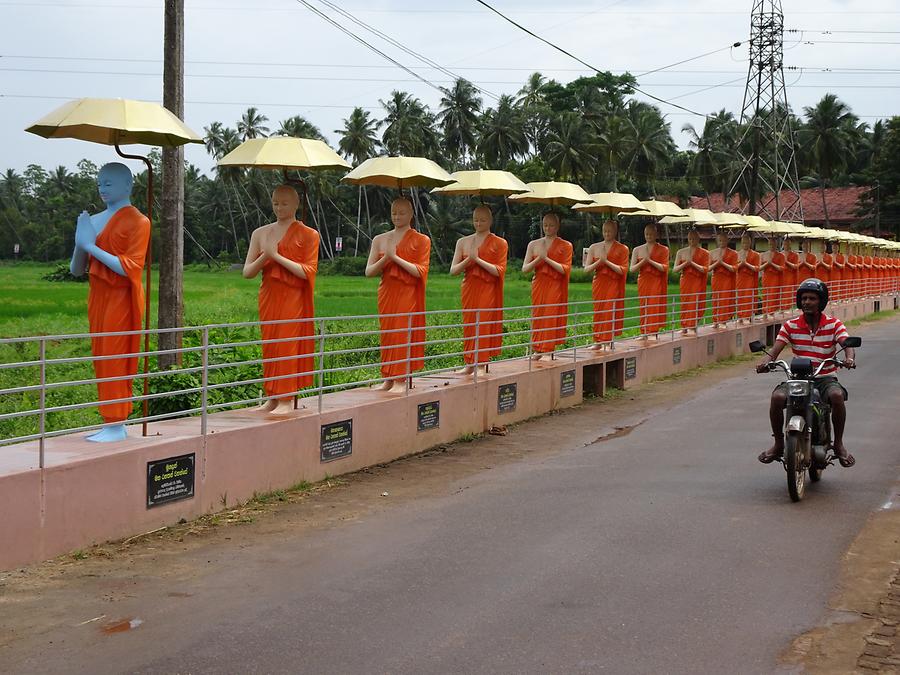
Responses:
[101,496]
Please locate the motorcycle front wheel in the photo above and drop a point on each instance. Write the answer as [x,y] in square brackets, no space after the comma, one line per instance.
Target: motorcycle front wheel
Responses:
[793,463]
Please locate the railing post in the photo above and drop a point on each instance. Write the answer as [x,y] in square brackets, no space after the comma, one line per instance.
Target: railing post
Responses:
[42,423]
[204,381]
[321,363]
[409,324]
[477,332]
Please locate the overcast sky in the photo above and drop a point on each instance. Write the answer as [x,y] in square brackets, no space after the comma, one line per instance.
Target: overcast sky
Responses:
[278,56]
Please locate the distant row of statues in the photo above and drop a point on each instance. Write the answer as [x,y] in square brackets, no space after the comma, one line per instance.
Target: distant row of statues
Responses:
[111,245]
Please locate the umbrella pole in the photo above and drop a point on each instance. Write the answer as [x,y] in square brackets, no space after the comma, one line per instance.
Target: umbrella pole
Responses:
[147,267]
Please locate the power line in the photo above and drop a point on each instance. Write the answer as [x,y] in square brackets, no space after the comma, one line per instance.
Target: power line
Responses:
[584,63]
[401,46]
[693,58]
[366,44]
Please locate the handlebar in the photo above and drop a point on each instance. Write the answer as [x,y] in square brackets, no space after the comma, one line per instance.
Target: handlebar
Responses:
[787,370]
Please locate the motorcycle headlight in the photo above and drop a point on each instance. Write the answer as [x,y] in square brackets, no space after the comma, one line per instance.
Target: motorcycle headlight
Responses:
[798,388]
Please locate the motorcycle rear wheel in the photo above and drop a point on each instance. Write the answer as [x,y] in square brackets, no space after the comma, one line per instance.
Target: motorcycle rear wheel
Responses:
[793,463]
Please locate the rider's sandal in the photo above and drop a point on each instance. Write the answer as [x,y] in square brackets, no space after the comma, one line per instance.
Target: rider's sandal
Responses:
[767,457]
[847,461]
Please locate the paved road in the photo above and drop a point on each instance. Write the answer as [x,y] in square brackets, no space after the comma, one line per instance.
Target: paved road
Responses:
[669,549]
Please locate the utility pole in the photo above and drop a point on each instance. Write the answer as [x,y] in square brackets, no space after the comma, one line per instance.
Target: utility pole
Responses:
[768,173]
[171,259]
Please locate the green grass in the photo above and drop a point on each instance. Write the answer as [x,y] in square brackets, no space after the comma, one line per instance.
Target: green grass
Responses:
[32,306]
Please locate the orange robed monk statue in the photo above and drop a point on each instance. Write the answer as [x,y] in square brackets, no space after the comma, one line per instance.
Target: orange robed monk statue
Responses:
[772,265]
[111,246]
[482,258]
[401,257]
[747,281]
[693,263]
[651,261]
[723,265]
[550,258]
[608,260]
[287,253]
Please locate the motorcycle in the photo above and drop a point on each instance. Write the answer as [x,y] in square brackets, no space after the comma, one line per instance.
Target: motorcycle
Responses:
[807,419]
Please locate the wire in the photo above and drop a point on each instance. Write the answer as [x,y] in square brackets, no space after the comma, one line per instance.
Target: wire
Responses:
[241,103]
[693,58]
[368,45]
[584,63]
[402,47]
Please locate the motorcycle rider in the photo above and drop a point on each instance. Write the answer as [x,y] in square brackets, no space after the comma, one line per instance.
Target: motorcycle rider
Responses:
[815,335]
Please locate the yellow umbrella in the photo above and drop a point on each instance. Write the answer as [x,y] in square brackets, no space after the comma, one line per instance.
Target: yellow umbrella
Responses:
[398,172]
[116,121]
[553,193]
[482,183]
[658,209]
[610,202]
[731,220]
[284,152]
[696,216]
[756,221]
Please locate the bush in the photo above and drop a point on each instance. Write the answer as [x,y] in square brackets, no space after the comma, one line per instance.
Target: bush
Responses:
[351,266]
[61,273]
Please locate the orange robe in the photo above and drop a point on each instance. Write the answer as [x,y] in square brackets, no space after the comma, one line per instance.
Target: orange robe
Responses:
[839,276]
[400,293]
[868,275]
[789,281]
[808,259]
[747,286]
[551,289]
[608,293]
[771,283]
[723,288]
[692,288]
[482,291]
[653,287]
[116,304]
[824,267]
[284,296]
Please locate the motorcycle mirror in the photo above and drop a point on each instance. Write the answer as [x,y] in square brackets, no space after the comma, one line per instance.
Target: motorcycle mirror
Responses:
[853,342]
[757,346]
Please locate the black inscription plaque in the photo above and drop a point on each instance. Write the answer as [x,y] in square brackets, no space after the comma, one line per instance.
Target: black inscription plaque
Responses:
[429,415]
[169,480]
[506,397]
[337,440]
[710,347]
[567,383]
[630,367]
[676,355]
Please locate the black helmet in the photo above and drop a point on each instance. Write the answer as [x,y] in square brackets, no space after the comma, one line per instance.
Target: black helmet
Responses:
[814,286]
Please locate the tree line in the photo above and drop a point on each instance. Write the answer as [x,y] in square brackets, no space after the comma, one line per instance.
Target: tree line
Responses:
[589,131]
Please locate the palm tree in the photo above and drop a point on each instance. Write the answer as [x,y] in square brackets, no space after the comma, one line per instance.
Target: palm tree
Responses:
[612,144]
[358,140]
[299,127]
[532,93]
[502,137]
[358,143]
[713,152]
[252,124]
[650,145]
[826,138]
[61,182]
[458,118]
[408,127]
[571,147]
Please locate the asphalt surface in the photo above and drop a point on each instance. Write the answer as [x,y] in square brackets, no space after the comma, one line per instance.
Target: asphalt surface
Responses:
[669,549]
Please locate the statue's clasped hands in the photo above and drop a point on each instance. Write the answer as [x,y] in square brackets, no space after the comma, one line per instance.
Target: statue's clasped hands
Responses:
[85,236]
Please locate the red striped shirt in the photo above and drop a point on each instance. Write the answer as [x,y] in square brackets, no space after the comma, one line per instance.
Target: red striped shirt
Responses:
[816,346]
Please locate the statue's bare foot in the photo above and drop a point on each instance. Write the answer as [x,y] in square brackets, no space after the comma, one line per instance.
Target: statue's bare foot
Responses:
[537,356]
[398,386]
[109,434]
[267,406]
[596,347]
[468,370]
[384,386]
[282,408]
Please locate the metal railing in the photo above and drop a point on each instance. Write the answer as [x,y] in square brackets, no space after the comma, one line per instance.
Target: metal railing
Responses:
[220,364]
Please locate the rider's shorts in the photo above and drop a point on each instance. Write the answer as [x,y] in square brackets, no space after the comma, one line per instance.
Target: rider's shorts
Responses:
[823,384]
